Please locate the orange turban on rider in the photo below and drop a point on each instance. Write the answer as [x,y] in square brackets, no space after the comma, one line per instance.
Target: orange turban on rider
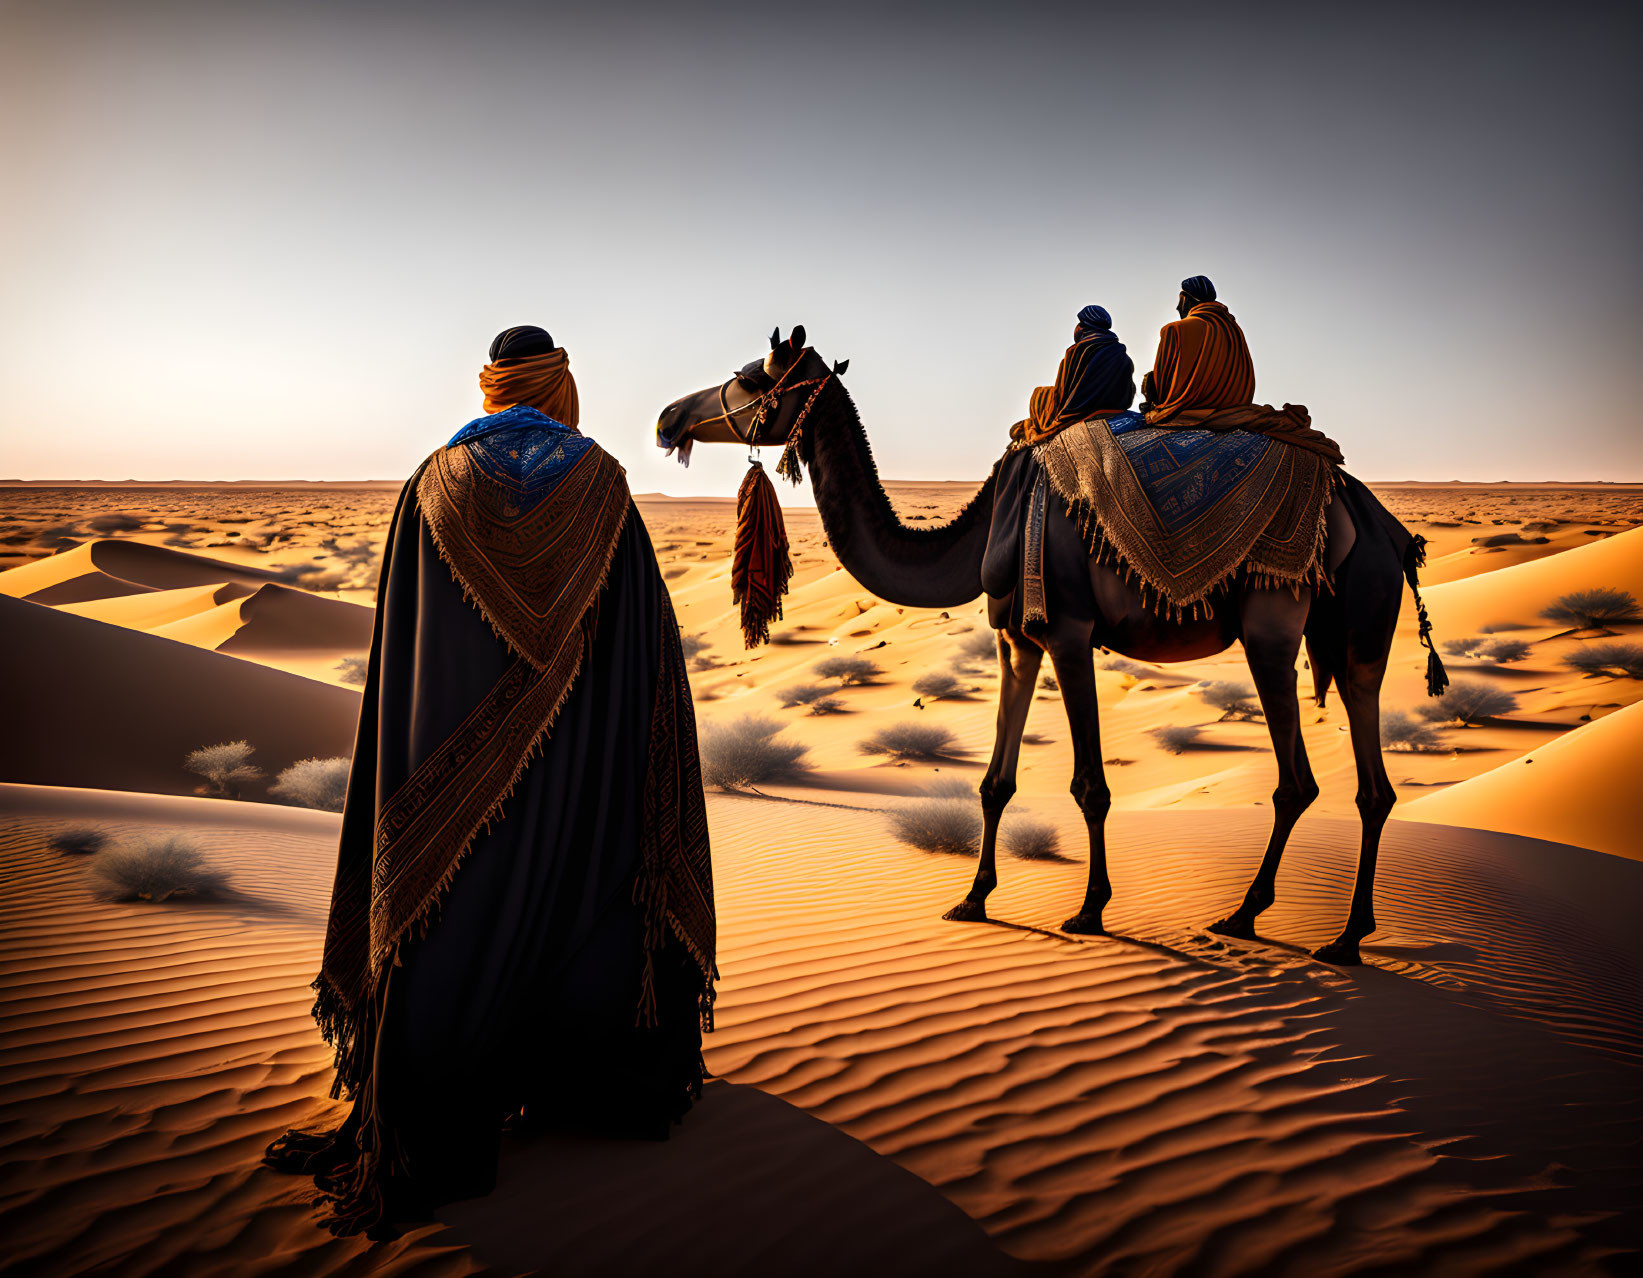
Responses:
[542,380]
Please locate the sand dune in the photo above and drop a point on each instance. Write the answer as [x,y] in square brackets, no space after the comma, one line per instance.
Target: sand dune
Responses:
[1581,788]
[111,567]
[275,620]
[154,608]
[1156,1101]
[1515,595]
[118,709]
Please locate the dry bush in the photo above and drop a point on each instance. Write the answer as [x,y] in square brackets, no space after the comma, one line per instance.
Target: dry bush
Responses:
[847,670]
[313,783]
[1498,651]
[946,818]
[354,669]
[1504,651]
[803,694]
[1235,700]
[975,648]
[225,767]
[1468,701]
[746,752]
[156,869]
[1030,839]
[941,684]
[826,705]
[1049,683]
[81,840]
[693,646]
[910,741]
[1611,659]
[1176,739]
[1403,732]
[1594,609]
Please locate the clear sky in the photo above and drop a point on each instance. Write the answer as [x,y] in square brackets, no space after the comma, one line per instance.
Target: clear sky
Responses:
[274,241]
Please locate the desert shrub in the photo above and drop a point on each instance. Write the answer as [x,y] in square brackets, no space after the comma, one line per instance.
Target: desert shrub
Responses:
[847,670]
[80,840]
[909,741]
[1177,738]
[1499,651]
[941,684]
[1467,701]
[1594,609]
[826,705]
[1504,651]
[976,647]
[946,818]
[1402,731]
[353,669]
[803,694]
[693,645]
[1233,699]
[1610,659]
[156,869]
[1049,684]
[313,783]
[746,752]
[1123,665]
[117,522]
[225,767]
[1030,839]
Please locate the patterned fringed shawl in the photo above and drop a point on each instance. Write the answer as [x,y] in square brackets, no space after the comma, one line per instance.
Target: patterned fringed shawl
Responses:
[527,514]
[1181,512]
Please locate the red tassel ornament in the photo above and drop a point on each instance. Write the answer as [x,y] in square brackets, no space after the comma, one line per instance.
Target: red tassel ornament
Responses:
[762,568]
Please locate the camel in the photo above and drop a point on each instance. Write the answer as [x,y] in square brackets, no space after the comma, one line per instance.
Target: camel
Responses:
[793,398]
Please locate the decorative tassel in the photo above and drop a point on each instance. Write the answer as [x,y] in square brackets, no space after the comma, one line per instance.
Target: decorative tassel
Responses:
[1437,678]
[762,568]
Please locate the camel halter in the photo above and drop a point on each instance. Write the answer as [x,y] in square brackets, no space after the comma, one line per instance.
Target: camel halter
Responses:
[761,406]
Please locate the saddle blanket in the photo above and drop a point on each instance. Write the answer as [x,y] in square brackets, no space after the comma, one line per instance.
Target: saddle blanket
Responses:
[1181,512]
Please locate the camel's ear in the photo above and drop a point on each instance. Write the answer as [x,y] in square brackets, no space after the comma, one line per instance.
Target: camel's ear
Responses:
[775,337]
[839,367]
[797,340]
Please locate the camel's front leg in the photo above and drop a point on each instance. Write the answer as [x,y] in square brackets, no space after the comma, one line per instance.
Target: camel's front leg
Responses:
[1070,652]
[1019,659]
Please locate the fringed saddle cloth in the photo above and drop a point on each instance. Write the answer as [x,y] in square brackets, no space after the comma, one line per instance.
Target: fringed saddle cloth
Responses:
[1182,512]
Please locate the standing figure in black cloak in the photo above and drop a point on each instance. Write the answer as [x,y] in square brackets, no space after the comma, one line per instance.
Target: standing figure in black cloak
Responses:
[522,923]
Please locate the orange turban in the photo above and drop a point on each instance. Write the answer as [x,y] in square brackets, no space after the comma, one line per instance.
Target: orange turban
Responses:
[542,382]
[1203,365]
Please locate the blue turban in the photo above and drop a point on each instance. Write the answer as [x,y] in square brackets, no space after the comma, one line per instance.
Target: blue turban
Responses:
[1094,317]
[1198,287]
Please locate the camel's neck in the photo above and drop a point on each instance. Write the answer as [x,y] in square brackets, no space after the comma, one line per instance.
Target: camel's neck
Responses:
[935,567]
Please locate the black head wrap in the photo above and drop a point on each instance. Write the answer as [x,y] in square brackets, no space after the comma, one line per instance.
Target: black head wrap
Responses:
[521,342]
[1094,318]
[1198,288]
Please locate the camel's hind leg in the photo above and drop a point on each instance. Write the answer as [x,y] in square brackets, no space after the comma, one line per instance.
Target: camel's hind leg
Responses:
[1361,694]
[1273,622]
[1019,660]
[1070,652]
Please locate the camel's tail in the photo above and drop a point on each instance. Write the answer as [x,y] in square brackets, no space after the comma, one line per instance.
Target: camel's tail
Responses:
[1321,673]
[1414,559]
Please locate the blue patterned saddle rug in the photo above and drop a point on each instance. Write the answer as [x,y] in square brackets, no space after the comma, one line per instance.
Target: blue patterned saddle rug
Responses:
[1182,512]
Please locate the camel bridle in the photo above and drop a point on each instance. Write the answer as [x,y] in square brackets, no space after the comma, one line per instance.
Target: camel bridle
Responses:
[762,405]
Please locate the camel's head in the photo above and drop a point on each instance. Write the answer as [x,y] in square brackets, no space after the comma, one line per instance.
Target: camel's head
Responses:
[759,405]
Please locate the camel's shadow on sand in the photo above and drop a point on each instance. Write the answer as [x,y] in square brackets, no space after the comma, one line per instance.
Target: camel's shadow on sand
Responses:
[789,1195]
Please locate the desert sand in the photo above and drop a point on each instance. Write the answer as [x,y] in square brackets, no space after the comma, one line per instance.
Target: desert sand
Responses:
[895,1094]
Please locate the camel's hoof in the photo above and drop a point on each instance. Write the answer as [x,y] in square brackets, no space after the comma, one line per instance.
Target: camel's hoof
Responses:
[1340,952]
[1237,924]
[967,911]
[1084,924]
